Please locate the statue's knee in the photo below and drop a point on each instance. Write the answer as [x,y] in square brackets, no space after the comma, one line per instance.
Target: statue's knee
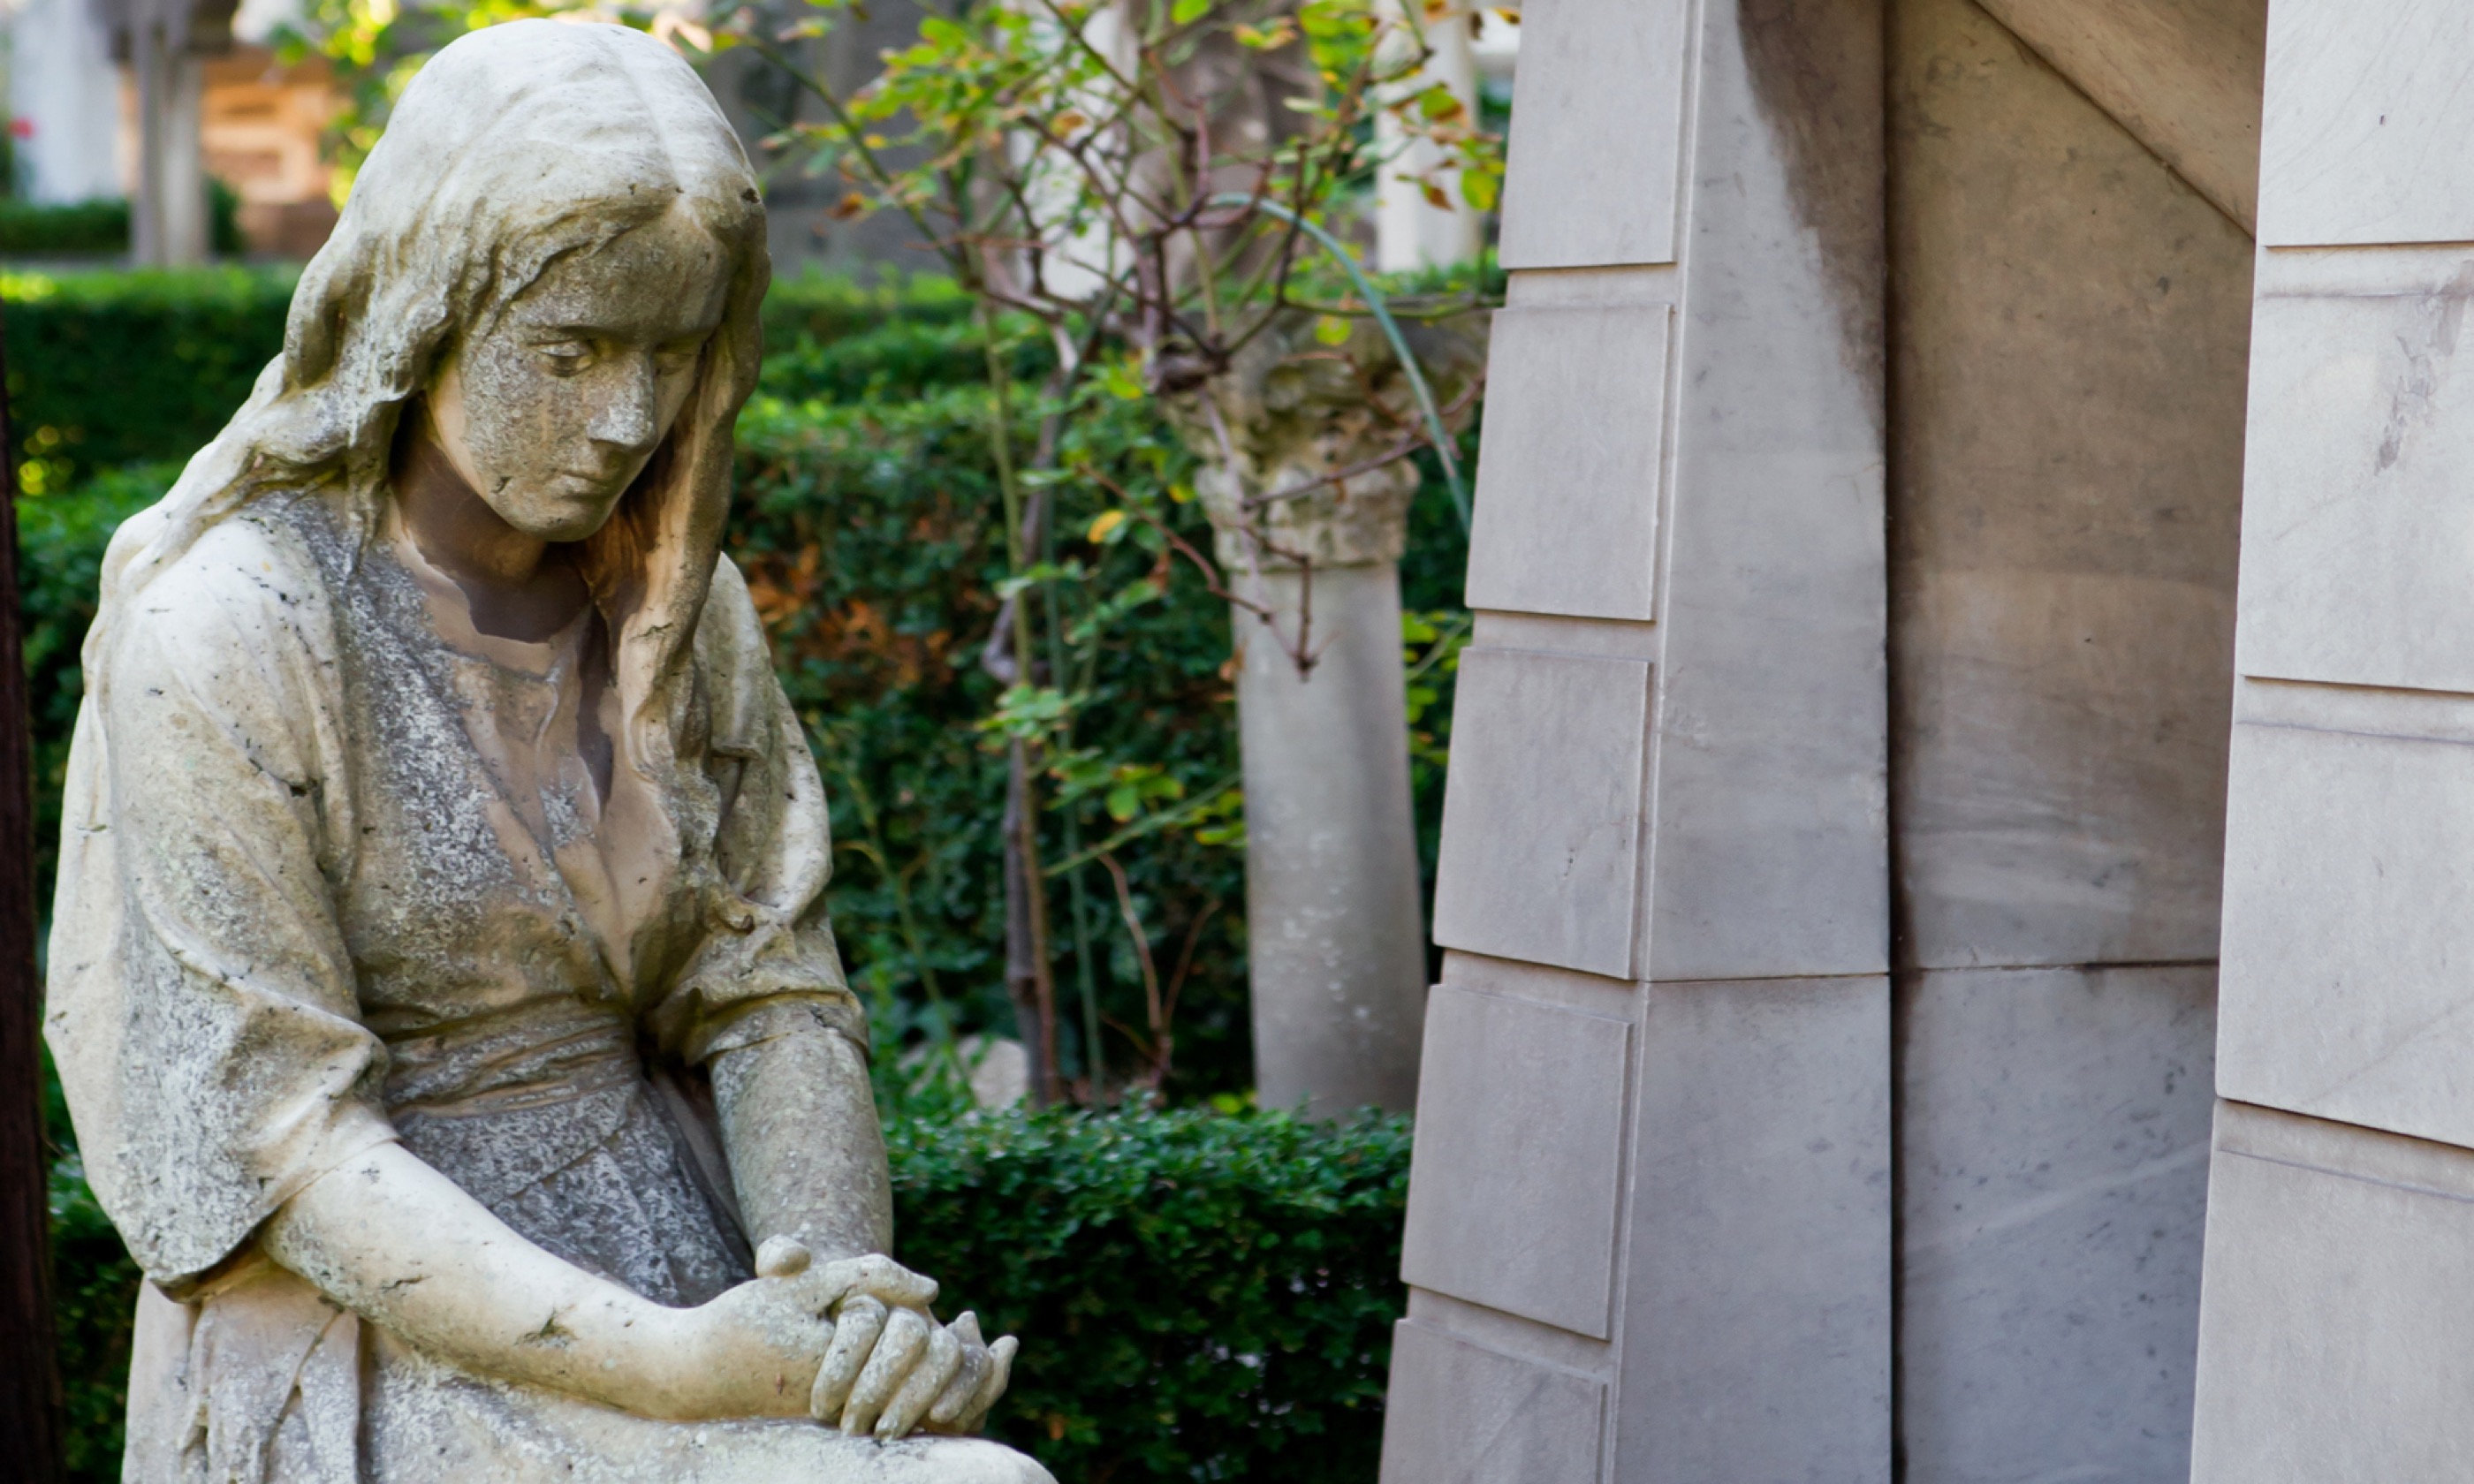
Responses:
[991,1463]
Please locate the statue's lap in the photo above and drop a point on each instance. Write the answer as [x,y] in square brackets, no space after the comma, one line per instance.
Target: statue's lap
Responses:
[429,1423]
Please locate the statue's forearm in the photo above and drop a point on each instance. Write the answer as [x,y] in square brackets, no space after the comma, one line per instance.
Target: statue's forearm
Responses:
[806,1154]
[400,1244]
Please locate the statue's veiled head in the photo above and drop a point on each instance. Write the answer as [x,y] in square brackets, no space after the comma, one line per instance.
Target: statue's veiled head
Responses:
[555,255]
[561,219]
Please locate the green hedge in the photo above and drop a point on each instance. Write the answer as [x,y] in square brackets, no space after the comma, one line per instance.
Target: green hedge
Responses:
[74,228]
[871,535]
[1200,1296]
[109,368]
[94,228]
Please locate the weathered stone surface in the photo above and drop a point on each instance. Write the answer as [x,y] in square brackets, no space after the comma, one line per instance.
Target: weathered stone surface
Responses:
[2183,76]
[2331,1341]
[1542,809]
[1280,430]
[2365,105]
[1574,449]
[1579,194]
[2065,512]
[1771,815]
[2340,1290]
[1757,1333]
[1336,944]
[1746,686]
[2349,864]
[1460,1413]
[1525,1117]
[1305,470]
[2054,1151]
[2357,513]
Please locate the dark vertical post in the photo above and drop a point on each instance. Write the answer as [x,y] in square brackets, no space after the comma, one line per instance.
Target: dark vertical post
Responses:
[30,1382]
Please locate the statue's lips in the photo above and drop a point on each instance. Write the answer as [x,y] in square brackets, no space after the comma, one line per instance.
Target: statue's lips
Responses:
[587,485]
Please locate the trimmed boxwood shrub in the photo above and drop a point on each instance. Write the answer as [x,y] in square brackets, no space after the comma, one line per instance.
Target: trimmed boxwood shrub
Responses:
[107,368]
[1200,1296]
[94,227]
[99,226]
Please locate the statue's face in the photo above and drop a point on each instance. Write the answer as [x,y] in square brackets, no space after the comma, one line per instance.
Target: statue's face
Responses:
[551,410]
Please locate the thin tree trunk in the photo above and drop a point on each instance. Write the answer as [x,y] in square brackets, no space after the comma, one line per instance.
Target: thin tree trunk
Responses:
[29,1398]
[1022,941]
[1038,980]
[1029,976]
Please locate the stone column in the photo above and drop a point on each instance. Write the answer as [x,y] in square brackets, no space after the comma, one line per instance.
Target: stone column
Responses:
[1649,1230]
[1335,937]
[2339,1293]
[166,42]
[1335,941]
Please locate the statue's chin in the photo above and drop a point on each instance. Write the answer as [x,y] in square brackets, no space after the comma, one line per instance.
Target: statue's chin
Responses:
[571,508]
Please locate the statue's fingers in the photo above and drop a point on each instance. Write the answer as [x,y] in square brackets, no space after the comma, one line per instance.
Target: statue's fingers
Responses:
[1000,1371]
[884,1281]
[954,1402]
[856,1330]
[965,1387]
[781,1257]
[927,1382]
[904,1341]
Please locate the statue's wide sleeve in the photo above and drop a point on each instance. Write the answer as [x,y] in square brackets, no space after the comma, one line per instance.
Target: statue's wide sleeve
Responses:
[201,1001]
[769,961]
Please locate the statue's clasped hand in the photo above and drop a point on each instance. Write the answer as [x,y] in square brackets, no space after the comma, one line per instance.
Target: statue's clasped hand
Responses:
[889,1368]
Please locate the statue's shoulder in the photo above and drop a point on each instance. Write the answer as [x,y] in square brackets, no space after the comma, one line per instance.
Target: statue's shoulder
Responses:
[252,578]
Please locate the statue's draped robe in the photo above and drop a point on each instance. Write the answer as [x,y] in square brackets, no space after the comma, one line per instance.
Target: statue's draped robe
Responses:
[302,913]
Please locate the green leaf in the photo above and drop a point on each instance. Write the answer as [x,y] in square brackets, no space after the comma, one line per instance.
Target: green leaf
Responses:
[1122,381]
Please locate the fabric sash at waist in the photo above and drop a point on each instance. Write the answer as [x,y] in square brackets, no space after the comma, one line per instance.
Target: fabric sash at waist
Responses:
[498,1102]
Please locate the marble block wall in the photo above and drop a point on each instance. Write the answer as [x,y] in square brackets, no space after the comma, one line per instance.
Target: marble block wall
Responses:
[2332,1337]
[1649,1224]
[1860,485]
[2069,341]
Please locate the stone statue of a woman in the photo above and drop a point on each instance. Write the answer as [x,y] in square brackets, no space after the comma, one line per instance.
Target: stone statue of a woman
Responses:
[440,977]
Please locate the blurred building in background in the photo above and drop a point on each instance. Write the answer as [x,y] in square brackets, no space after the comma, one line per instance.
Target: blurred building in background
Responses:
[259,134]
[147,100]
[63,102]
